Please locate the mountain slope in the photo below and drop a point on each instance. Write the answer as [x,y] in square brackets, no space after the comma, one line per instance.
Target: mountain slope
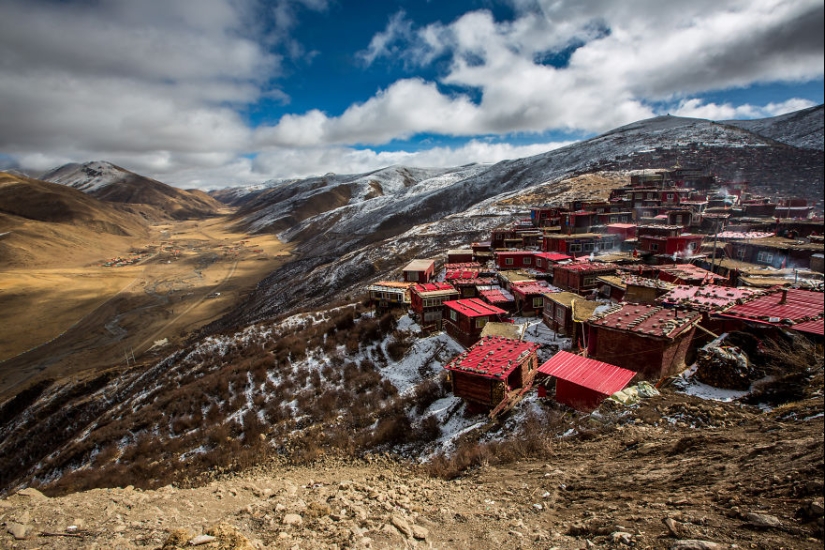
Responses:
[43,221]
[802,129]
[108,182]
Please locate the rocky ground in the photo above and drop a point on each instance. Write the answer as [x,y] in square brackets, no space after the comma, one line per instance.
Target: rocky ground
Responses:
[675,472]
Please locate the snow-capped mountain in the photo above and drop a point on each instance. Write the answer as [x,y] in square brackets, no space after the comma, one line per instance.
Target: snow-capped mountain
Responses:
[802,129]
[108,182]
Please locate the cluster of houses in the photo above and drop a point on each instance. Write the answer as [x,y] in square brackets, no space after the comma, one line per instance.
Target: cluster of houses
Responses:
[636,282]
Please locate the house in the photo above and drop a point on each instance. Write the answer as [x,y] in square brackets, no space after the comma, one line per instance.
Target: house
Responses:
[497,296]
[564,312]
[688,274]
[651,340]
[546,260]
[786,308]
[385,294]
[668,240]
[581,244]
[545,216]
[427,302]
[623,230]
[419,271]
[508,278]
[529,296]
[580,277]
[468,283]
[583,383]
[777,252]
[457,256]
[632,288]
[504,238]
[493,371]
[464,319]
[515,259]
[707,300]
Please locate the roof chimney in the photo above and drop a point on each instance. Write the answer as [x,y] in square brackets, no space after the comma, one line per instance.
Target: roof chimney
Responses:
[784,296]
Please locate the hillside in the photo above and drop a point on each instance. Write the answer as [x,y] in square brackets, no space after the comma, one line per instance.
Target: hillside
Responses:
[111,183]
[44,223]
[801,129]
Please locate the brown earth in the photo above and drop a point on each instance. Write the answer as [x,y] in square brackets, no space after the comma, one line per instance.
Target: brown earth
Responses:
[673,472]
[185,274]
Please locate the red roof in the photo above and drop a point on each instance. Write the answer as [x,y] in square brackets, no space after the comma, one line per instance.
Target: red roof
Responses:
[493,357]
[706,297]
[463,265]
[587,266]
[687,272]
[496,296]
[598,376]
[423,288]
[452,274]
[802,310]
[553,256]
[622,225]
[474,307]
[515,253]
[648,320]
[525,288]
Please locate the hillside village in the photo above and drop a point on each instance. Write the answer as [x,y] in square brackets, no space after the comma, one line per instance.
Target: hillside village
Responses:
[672,270]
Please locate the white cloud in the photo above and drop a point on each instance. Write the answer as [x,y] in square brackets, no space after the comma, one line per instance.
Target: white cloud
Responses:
[697,108]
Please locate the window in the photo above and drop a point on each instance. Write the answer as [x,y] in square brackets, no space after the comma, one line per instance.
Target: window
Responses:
[480,322]
[654,247]
[588,247]
[691,246]
[508,261]
[453,315]
[412,276]
[560,313]
[740,253]
[678,219]
[539,263]
[589,281]
[670,196]
[607,245]
[527,260]
[538,303]
[764,257]
[614,219]
[574,248]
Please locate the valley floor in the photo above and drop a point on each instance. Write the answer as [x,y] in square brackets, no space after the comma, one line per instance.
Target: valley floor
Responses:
[674,471]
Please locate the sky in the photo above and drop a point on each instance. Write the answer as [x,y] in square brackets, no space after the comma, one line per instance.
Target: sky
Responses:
[215,93]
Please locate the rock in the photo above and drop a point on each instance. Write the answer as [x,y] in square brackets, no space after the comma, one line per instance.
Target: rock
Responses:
[763,521]
[32,493]
[229,537]
[419,532]
[622,537]
[18,530]
[293,519]
[176,539]
[402,525]
[202,539]
[694,544]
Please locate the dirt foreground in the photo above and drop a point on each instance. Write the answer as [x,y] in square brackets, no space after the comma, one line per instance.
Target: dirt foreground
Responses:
[682,473]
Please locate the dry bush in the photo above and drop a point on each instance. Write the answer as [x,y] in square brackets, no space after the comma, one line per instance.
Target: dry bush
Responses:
[791,365]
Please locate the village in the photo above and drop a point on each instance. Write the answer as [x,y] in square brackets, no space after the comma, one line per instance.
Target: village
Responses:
[669,272]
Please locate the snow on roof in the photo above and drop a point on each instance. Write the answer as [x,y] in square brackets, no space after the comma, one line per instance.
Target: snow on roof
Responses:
[598,376]
[474,307]
[587,266]
[382,285]
[493,357]
[622,225]
[796,309]
[743,235]
[648,320]
[496,296]
[706,297]
[463,265]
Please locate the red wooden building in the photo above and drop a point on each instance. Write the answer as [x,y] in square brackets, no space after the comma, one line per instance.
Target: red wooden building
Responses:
[465,319]
[583,383]
[529,296]
[419,271]
[651,340]
[668,240]
[787,308]
[580,277]
[546,260]
[462,255]
[427,301]
[515,259]
[497,296]
[688,274]
[493,371]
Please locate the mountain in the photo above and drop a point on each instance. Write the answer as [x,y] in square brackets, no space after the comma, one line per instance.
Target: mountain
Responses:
[802,129]
[108,182]
[351,228]
[41,221]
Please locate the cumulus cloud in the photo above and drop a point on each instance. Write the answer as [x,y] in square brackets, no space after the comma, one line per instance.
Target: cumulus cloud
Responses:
[697,108]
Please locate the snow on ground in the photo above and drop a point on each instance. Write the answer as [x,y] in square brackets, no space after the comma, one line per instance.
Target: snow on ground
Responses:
[686,383]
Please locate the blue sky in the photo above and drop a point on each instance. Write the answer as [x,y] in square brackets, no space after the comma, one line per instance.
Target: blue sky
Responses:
[211,93]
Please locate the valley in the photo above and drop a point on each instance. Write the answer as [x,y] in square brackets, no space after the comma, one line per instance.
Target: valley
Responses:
[79,315]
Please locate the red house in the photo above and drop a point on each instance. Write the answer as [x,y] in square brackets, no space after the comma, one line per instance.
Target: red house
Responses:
[668,240]
[493,371]
[529,296]
[497,296]
[580,277]
[788,308]
[462,255]
[546,260]
[515,259]
[427,301]
[583,383]
[688,274]
[419,271]
[465,319]
[650,340]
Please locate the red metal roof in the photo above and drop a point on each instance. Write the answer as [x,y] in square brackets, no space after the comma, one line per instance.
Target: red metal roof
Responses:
[515,253]
[585,266]
[463,265]
[648,320]
[525,288]
[706,297]
[802,310]
[493,357]
[423,288]
[553,256]
[687,272]
[452,274]
[474,307]
[496,296]
[598,376]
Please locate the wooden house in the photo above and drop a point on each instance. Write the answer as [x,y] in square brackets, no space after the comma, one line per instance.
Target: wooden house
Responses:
[515,259]
[464,319]
[583,383]
[623,230]
[783,308]
[384,294]
[497,296]
[427,302]
[581,244]
[564,312]
[668,240]
[581,277]
[419,271]
[457,256]
[545,216]
[546,260]
[651,340]
[688,274]
[529,297]
[493,372]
